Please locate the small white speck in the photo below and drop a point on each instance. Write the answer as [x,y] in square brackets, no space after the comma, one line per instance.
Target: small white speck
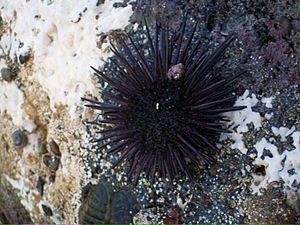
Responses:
[180,203]
[157,106]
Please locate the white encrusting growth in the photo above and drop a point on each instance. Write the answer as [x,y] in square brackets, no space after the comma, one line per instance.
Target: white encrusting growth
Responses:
[268,102]
[113,18]
[63,36]
[11,101]
[272,164]
[246,116]
[241,119]
[292,162]
[283,132]
[285,166]
[268,115]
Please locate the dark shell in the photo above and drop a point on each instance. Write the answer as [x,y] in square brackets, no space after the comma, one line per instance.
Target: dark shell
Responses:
[102,205]
[19,139]
[47,210]
[54,148]
[40,185]
[23,58]
[52,162]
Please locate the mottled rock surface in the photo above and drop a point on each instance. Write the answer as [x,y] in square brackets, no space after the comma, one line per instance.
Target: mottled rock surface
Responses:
[46,50]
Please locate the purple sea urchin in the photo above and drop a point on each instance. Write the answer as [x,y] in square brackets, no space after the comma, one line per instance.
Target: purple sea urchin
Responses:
[166,102]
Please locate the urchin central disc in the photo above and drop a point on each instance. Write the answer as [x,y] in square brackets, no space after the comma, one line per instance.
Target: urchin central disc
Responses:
[155,113]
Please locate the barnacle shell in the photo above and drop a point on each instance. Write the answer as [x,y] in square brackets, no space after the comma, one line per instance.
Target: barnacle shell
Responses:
[103,205]
[19,139]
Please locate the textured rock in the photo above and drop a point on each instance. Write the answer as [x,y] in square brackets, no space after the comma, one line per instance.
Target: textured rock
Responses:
[11,210]
[42,98]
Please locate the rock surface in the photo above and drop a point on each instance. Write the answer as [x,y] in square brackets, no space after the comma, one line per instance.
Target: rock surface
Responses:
[46,49]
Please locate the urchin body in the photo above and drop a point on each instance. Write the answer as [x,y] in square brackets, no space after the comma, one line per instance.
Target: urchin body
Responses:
[166,102]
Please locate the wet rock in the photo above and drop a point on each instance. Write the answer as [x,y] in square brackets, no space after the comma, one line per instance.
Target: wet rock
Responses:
[103,205]
[293,200]
[296,25]
[19,139]
[232,204]
[270,207]
[280,27]
[149,216]
[213,171]
[174,216]
[11,210]
[8,74]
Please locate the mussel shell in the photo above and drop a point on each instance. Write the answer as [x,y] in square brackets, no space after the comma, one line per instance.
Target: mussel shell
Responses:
[102,205]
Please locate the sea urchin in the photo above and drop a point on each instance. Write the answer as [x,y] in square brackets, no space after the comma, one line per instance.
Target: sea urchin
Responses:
[165,102]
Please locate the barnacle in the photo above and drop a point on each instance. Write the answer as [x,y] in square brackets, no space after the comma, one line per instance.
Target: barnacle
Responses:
[19,139]
[165,101]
